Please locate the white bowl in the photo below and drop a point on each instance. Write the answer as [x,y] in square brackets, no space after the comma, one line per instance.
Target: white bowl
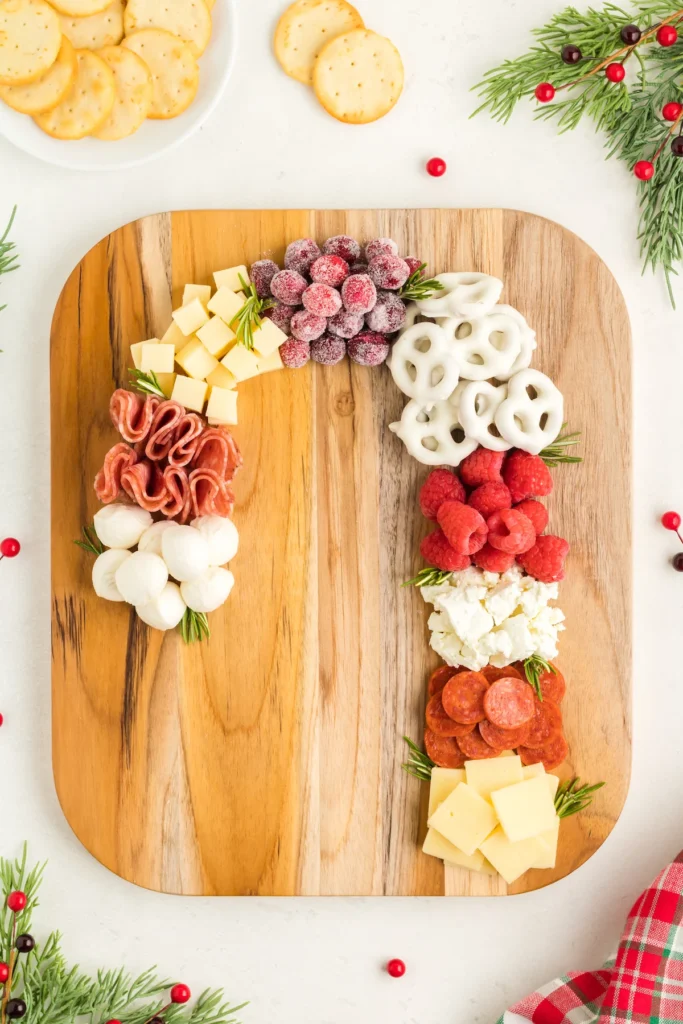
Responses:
[154,137]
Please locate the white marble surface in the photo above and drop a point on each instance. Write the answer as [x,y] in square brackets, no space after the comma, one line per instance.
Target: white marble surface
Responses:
[318,961]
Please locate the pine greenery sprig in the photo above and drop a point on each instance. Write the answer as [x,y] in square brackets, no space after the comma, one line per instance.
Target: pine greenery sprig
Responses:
[248,319]
[556,452]
[9,258]
[534,668]
[572,798]
[419,765]
[194,626]
[428,577]
[146,382]
[418,287]
[91,543]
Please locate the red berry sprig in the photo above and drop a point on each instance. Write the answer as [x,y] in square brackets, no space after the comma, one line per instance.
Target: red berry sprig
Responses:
[672,521]
[436,167]
[16,901]
[179,994]
[396,968]
[9,547]
[4,973]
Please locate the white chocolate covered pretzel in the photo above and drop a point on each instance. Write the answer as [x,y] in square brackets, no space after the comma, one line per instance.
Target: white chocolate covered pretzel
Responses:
[434,436]
[484,347]
[478,405]
[527,338]
[422,363]
[531,416]
[464,294]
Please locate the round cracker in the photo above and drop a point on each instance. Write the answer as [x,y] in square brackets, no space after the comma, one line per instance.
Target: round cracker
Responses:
[133,94]
[46,92]
[80,8]
[188,19]
[358,77]
[97,30]
[87,104]
[305,28]
[30,40]
[175,72]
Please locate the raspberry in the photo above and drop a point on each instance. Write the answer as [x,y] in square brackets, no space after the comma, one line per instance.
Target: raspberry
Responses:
[388,315]
[545,560]
[328,350]
[413,263]
[510,531]
[359,294]
[380,247]
[281,315]
[534,511]
[436,550]
[330,270]
[527,476]
[368,348]
[294,353]
[322,300]
[490,498]
[344,246]
[464,527]
[388,271]
[482,467]
[301,254]
[307,326]
[262,273]
[491,560]
[345,324]
[358,268]
[441,485]
[288,286]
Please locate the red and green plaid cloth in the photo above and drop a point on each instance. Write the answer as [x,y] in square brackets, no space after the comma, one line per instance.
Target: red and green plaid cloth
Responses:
[642,985]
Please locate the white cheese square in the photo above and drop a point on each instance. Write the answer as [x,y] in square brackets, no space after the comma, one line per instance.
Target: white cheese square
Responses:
[268,337]
[443,782]
[190,392]
[464,818]
[436,846]
[157,358]
[226,304]
[216,337]
[531,771]
[136,351]
[525,809]
[549,841]
[230,278]
[221,378]
[195,360]
[493,773]
[196,291]
[222,406]
[174,336]
[191,317]
[267,364]
[241,362]
[511,860]
[167,382]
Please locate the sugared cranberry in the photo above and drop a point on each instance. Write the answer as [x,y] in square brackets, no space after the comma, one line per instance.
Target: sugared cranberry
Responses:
[345,325]
[294,353]
[262,273]
[330,270]
[344,246]
[322,300]
[281,315]
[388,272]
[359,294]
[307,326]
[368,348]
[301,254]
[328,350]
[380,247]
[388,315]
[288,286]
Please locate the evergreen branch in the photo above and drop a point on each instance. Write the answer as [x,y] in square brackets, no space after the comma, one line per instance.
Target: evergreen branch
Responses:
[534,668]
[248,318]
[92,543]
[556,452]
[146,382]
[419,765]
[194,626]
[572,798]
[9,258]
[417,287]
[428,578]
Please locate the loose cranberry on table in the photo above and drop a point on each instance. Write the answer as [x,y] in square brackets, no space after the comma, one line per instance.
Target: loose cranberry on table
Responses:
[436,167]
[9,547]
[396,968]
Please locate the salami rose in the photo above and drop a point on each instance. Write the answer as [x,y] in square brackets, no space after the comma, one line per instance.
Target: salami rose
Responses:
[439,722]
[186,438]
[108,480]
[177,494]
[144,484]
[443,750]
[218,452]
[509,703]
[132,414]
[161,435]
[210,494]
[463,697]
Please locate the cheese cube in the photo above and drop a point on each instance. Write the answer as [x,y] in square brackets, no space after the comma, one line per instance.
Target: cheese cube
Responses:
[525,809]
[222,406]
[272,362]
[444,781]
[136,351]
[268,337]
[436,846]
[548,841]
[241,362]
[464,818]
[226,304]
[196,291]
[511,859]
[230,278]
[191,317]
[532,771]
[553,785]
[216,336]
[221,378]
[166,382]
[174,336]
[189,392]
[493,773]
[157,357]
[195,360]
[507,753]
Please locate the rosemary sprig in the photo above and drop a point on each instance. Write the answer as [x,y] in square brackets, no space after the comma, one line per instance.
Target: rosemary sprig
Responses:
[428,578]
[92,543]
[556,452]
[194,626]
[248,319]
[8,256]
[418,287]
[534,667]
[147,383]
[572,798]
[418,764]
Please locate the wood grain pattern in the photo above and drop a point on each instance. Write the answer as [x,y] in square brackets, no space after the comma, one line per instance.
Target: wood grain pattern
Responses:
[268,761]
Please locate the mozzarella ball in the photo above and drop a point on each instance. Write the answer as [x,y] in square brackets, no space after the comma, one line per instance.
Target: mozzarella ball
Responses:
[185,552]
[104,571]
[121,526]
[151,538]
[221,535]
[208,591]
[141,577]
[165,611]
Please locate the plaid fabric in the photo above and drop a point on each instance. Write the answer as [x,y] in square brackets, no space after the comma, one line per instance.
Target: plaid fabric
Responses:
[642,985]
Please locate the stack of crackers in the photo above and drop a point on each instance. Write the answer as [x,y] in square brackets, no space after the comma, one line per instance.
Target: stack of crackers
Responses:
[100,68]
[356,74]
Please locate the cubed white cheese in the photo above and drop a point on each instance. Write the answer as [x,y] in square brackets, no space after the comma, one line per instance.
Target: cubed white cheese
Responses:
[241,362]
[436,846]
[190,393]
[174,336]
[267,364]
[226,304]
[221,378]
[216,337]
[196,361]
[443,782]
[511,859]
[191,317]
[196,291]
[464,819]
[166,382]
[268,337]
[493,773]
[157,358]
[222,407]
[136,351]
[230,278]
[525,809]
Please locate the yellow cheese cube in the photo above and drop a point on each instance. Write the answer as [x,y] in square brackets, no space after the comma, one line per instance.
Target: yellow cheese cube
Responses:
[553,784]
[136,351]
[222,407]
[493,773]
[548,841]
[230,278]
[190,393]
[511,859]
[525,809]
[191,317]
[241,362]
[196,361]
[268,337]
[174,336]
[532,771]
[507,753]
[216,336]
[436,846]
[226,304]
[465,819]
[167,381]
[272,362]
[196,291]
[221,378]
[157,357]
[444,781]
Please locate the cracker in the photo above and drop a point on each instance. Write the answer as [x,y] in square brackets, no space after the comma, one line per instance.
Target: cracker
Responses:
[46,92]
[358,77]
[175,72]
[305,28]
[30,40]
[133,93]
[80,8]
[188,19]
[96,30]
[87,104]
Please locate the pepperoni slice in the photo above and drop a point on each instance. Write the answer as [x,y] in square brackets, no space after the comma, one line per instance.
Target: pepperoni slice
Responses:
[439,678]
[475,747]
[443,750]
[493,674]
[551,755]
[546,723]
[553,686]
[509,703]
[439,722]
[504,739]
[463,697]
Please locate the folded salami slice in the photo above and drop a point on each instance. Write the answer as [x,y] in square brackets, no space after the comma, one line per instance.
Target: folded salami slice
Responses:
[144,483]
[132,414]
[162,432]
[178,503]
[210,494]
[108,480]
[188,431]
[218,451]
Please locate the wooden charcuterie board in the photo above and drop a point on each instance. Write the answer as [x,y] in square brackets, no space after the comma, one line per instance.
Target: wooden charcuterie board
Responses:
[267,761]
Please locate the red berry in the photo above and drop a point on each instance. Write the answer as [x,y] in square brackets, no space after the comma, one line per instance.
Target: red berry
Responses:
[644,170]
[482,467]
[281,314]
[436,550]
[16,901]
[113,1021]
[465,529]
[368,348]
[671,521]
[380,247]
[545,92]
[4,972]
[510,531]
[344,246]
[294,353]
[288,286]
[2,719]
[615,72]
[322,300]
[330,270]
[436,167]
[441,485]
[667,35]
[396,968]
[10,547]
[491,560]
[301,254]
[307,326]
[180,994]
[413,263]
[545,560]
[388,272]
[527,476]
[359,294]
[535,512]
[262,273]
[389,314]
[328,350]
[345,324]
[672,111]
[490,498]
